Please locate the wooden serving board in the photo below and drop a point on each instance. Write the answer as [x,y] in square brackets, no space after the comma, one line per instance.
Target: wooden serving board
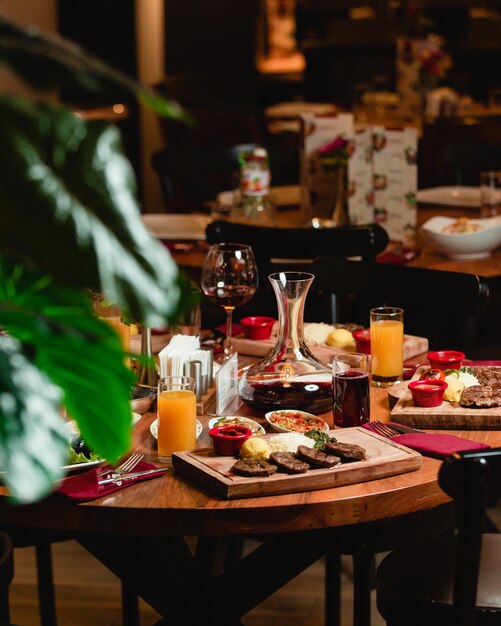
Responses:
[412,346]
[447,416]
[384,458]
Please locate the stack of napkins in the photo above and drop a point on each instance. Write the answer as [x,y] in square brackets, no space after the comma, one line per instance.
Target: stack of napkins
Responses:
[178,351]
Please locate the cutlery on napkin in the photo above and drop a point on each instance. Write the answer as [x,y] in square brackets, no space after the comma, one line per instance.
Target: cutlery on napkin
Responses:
[435,445]
[87,486]
[118,478]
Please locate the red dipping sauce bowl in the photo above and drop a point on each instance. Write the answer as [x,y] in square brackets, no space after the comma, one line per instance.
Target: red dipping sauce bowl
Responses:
[227,440]
[446,359]
[257,326]
[428,392]
[363,340]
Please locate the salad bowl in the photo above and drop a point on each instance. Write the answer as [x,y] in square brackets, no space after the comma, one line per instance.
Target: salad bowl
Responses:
[463,238]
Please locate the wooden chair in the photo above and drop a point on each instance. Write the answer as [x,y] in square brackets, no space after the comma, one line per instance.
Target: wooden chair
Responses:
[279,249]
[191,175]
[445,307]
[453,151]
[6,576]
[454,579]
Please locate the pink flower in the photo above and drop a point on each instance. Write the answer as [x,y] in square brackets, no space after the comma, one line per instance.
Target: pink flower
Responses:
[337,145]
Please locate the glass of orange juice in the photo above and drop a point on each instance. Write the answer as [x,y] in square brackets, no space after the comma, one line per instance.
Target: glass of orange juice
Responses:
[387,345]
[177,415]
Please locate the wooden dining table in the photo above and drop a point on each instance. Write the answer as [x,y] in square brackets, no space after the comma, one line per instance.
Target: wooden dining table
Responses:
[142,532]
[192,254]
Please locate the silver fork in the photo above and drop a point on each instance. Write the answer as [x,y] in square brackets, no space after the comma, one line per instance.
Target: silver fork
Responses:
[383,429]
[128,465]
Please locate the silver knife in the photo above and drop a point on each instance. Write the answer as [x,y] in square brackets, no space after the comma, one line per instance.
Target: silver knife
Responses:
[118,478]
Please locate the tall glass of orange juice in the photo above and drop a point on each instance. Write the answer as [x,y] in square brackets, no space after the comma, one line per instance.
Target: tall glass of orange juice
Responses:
[387,346]
[112,315]
[177,415]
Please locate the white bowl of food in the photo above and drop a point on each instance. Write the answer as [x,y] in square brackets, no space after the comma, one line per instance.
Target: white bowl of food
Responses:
[292,421]
[237,420]
[463,238]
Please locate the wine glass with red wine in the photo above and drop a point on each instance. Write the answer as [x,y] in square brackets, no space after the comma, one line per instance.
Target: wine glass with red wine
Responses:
[229,279]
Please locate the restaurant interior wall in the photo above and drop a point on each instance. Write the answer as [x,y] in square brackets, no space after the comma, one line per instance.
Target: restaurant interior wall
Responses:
[326,30]
[95,26]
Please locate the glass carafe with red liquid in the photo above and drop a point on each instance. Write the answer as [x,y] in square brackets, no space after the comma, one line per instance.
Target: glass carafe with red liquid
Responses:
[290,376]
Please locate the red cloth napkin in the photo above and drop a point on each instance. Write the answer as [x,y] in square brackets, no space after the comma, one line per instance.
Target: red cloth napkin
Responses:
[83,487]
[438,446]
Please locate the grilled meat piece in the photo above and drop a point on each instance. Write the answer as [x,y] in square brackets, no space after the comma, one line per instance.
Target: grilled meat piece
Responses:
[488,375]
[481,396]
[254,466]
[347,452]
[288,463]
[316,458]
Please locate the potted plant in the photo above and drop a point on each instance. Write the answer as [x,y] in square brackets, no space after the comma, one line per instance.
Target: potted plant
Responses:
[69,223]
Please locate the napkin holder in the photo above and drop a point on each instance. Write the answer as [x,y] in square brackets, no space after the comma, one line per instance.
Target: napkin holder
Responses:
[183,356]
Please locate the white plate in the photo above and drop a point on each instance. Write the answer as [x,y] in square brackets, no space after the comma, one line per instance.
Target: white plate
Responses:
[451,196]
[176,226]
[242,421]
[280,429]
[154,428]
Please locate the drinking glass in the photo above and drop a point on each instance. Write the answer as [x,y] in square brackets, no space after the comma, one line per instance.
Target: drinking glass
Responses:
[387,345]
[350,389]
[177,415]
[490,194]
[229,279]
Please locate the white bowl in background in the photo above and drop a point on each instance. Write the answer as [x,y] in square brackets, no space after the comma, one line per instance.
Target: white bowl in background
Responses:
[295,416]
[473,245]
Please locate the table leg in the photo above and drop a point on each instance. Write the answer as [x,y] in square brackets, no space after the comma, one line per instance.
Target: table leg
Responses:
[332,589]
[164,572]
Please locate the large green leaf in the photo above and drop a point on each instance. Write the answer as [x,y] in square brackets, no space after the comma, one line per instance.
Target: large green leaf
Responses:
[68,203]
[79,352]
[33,437]
[50,61]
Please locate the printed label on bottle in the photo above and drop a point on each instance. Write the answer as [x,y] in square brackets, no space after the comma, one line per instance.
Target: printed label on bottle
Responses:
[255,181]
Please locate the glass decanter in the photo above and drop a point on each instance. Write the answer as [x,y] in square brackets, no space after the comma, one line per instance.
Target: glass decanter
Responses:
[290,376]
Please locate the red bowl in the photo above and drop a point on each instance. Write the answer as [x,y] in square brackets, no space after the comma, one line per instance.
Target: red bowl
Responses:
[363,340]
[446,359]
[227,440]
[257,326]
[428,392]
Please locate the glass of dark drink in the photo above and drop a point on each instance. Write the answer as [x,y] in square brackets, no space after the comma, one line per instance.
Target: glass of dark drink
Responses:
[229,279]
[350,389]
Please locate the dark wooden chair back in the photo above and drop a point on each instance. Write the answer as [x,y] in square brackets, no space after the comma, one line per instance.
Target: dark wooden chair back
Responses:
[192,173]
[445,307]
[453,151]
[452,579]
[293,249]
[6,575]
[468,477]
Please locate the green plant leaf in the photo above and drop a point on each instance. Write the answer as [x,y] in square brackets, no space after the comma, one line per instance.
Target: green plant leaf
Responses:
[79,352]
[33,437]
[73,187]
[46,62]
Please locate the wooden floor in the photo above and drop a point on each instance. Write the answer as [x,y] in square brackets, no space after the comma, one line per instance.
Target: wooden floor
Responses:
[89,595]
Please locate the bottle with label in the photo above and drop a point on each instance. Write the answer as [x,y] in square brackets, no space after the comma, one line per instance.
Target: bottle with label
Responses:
[255,205]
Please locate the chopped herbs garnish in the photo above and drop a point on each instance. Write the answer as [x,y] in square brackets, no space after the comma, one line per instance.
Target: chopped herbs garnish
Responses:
[320,437]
